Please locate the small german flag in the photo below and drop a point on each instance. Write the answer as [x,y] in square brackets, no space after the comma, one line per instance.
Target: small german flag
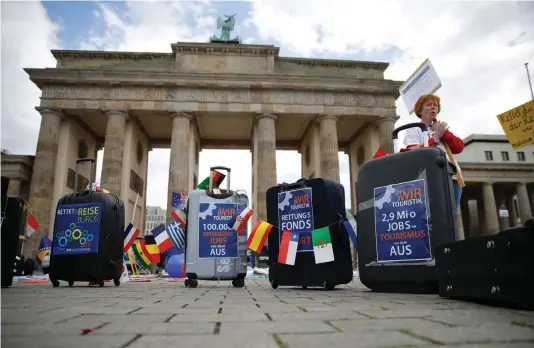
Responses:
[141,253]
[218,178]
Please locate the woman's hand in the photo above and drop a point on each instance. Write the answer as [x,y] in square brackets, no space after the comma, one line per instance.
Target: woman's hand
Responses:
[439,129]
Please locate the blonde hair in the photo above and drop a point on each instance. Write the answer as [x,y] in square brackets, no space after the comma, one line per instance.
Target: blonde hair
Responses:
[418,108]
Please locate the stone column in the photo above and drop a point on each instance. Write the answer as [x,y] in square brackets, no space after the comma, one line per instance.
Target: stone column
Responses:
[114,151]
[179,160]
[265,163]
[13,188]
[386,125]
[511,210]
[329,147]
[43,175]
[522,201]
[490,209]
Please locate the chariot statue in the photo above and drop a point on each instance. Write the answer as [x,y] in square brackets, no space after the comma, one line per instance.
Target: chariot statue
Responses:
[226,26]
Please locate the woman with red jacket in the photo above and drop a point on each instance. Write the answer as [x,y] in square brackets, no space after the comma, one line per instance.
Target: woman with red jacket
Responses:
[427,109]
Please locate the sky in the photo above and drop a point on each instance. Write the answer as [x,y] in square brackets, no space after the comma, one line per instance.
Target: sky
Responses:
[478,49]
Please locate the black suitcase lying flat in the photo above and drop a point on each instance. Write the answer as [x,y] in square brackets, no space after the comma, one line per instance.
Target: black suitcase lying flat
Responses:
[88,237]
[496,269]
[328,206]
[405,209]
[13,219]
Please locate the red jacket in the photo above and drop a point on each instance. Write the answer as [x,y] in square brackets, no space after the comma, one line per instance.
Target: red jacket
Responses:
[455,144]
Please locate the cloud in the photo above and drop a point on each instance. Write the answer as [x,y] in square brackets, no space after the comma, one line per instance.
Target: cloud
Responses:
[477,48]
[28,35]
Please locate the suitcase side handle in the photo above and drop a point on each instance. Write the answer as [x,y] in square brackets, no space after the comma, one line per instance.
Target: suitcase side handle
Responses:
[228,171]
[91,174]
[300,183]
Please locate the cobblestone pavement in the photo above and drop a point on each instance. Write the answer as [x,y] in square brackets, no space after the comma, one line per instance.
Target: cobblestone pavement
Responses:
[166,314]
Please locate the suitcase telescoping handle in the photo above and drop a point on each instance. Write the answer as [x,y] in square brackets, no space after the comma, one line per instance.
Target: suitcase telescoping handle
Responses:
[91,175]
[228,171]
[396,132]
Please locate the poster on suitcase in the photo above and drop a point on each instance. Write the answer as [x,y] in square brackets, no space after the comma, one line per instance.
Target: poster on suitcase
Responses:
[295,213]
[401,222]
[216,239]
[77,229]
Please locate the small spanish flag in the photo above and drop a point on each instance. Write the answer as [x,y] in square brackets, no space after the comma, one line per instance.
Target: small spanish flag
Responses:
[259,235]
[141,254]
[217,180]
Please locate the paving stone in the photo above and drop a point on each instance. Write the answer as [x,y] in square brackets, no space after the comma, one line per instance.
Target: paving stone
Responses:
[333,315]
[486,333]
[57,341]
[243,316]
[358,325]
[360,340]
[177,310]
[277,327]
[95,320]
[157,328]
[259,341]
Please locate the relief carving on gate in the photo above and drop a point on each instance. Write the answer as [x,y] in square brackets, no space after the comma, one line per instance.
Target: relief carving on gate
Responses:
[213,95]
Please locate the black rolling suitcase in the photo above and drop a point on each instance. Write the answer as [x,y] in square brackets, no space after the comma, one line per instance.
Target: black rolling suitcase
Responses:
[405,209]
[496,269]
[289,213]
[88,236]
[12,222]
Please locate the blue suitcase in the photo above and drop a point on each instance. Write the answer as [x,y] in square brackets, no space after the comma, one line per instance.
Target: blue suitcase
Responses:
[327,208]
[405,210]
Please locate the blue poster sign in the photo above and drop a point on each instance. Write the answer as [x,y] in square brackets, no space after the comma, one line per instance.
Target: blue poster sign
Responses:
[401,222]
[215,237]
[77,229]
[295,213]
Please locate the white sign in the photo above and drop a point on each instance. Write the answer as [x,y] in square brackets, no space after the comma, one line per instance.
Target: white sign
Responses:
[503,213]
[424,80]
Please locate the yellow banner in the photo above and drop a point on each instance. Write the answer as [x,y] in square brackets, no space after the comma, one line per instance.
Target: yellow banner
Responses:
[518,125]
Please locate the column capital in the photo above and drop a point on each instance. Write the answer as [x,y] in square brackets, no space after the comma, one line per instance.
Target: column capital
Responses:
[118,112]
[260,116]
[51,110]
[183,114]
[488,183]
[391,119]
[327,117]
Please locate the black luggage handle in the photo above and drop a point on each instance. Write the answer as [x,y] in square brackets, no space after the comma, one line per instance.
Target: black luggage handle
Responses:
[421,125]
[91,174]
[300,183]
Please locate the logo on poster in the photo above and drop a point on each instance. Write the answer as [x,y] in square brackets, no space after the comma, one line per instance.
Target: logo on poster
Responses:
[295,213]
[216,238]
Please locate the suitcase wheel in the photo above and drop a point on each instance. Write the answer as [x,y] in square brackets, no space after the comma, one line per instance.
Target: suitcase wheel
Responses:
[116,281]
[71,283]
[238,283]
[304,287]
[191,283]
[55,283]
[328,286]
[273,284]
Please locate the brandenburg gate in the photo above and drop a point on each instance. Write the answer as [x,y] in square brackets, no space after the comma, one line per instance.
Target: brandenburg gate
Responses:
[201,96]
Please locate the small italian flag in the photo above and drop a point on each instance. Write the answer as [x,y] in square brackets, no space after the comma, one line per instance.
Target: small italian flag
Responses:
[322,245]
[31,225]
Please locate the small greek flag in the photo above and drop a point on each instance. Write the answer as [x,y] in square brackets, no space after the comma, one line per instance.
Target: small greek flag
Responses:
[177,234]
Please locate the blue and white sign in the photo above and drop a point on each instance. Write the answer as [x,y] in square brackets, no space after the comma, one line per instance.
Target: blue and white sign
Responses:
[216,238]
[295,214]
[401,222]
[77,229]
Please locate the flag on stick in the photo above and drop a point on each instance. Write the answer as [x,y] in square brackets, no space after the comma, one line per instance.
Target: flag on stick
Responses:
[44,249]
[350,226]
[380,153]
[177,234]
[218,178]
[239,221]
[130,234]
[162,238]
[31,225]
[288,247]
[322,245]
[152,252]
[140,252]
[259,235]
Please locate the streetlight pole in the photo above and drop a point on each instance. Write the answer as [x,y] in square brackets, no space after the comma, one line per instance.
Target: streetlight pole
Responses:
[529,82]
